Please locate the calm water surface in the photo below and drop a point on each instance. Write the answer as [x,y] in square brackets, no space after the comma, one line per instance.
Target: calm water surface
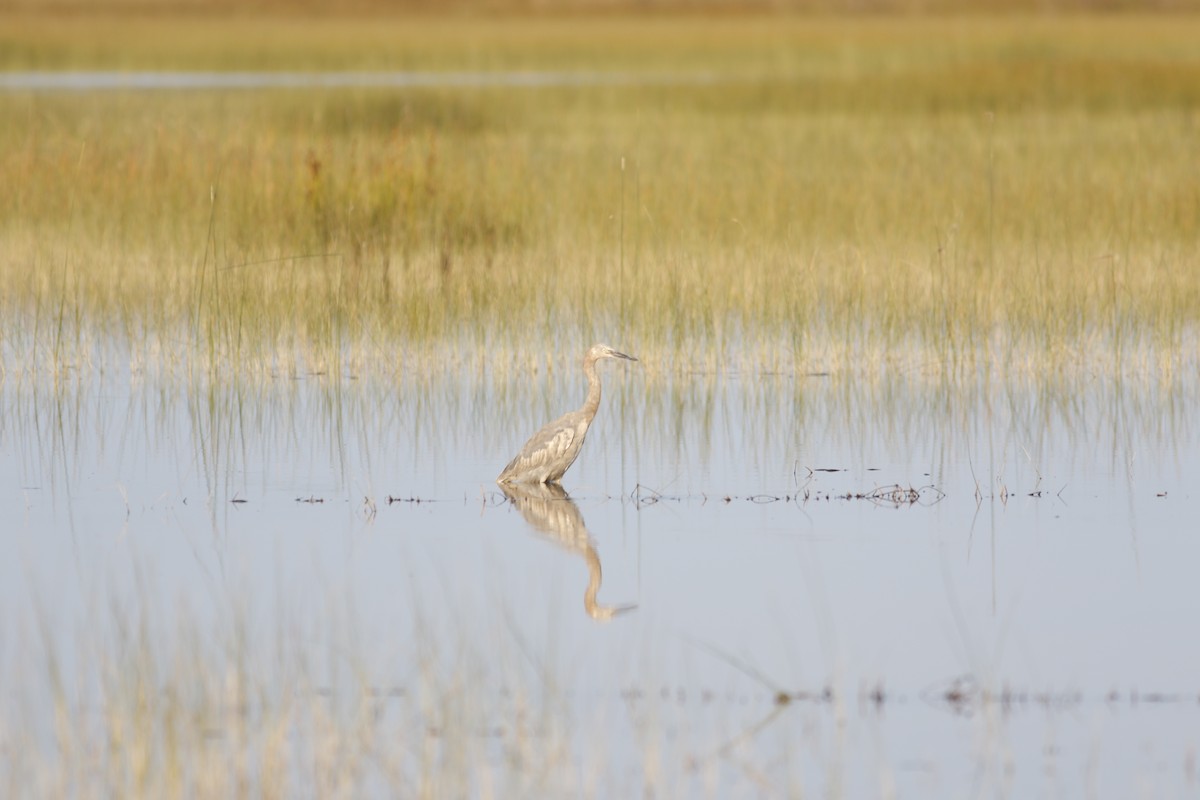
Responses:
[716,549]
[175,80]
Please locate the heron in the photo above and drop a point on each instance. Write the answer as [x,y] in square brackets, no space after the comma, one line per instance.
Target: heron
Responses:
[550,452]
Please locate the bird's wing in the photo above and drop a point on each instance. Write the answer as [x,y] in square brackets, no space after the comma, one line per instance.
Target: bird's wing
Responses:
[547,446]
[559,443]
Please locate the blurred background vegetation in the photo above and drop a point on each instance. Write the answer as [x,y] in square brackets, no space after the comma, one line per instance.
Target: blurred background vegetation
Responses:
[805,188]
[543,7]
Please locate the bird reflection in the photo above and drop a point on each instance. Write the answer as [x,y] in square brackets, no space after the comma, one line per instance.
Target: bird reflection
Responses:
[548,510]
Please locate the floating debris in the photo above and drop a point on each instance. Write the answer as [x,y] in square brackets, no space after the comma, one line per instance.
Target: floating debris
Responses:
[894,495]
[391,500]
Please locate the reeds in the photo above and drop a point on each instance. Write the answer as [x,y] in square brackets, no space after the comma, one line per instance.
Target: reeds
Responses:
[841,193]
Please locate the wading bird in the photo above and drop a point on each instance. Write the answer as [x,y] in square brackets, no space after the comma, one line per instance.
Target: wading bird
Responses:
[552,450]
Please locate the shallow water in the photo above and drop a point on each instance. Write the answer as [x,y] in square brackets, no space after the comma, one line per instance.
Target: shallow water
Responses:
[1023,622]
[99,80]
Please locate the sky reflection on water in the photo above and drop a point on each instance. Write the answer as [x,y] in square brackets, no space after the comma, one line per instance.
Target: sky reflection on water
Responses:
[175,80]
[1058,564]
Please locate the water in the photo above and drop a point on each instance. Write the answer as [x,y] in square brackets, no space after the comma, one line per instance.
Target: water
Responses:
[1025,626]
[174,80]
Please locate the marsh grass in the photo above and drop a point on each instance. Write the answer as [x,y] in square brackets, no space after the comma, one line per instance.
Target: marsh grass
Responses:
[228,700]
[927,194]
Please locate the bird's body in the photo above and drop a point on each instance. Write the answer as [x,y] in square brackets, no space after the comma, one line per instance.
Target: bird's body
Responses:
[548,454]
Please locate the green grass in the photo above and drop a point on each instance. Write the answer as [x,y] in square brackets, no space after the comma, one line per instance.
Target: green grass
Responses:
[944,192]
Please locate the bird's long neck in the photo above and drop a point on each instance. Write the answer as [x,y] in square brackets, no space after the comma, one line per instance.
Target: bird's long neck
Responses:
[592,403]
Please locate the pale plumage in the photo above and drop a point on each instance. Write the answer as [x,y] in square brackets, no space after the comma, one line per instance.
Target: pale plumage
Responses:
[550,452]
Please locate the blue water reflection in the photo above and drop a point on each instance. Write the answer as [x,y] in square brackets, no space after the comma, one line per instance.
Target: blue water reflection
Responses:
[355,521]
[175,80]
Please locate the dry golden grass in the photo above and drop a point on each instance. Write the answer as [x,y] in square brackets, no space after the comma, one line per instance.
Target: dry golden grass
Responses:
[948,191]
[157,707]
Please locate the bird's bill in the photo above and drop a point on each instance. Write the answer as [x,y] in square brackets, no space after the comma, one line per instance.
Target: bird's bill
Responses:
[615,354]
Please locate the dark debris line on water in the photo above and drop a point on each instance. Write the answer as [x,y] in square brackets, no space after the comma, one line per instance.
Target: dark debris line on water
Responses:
[894,495]
[960,695]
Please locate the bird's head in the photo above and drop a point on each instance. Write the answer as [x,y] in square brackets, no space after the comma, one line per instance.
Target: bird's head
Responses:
[598,351]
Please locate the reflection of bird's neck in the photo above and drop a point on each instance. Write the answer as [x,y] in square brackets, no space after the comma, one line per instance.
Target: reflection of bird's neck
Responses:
[592,403]
[594,610]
